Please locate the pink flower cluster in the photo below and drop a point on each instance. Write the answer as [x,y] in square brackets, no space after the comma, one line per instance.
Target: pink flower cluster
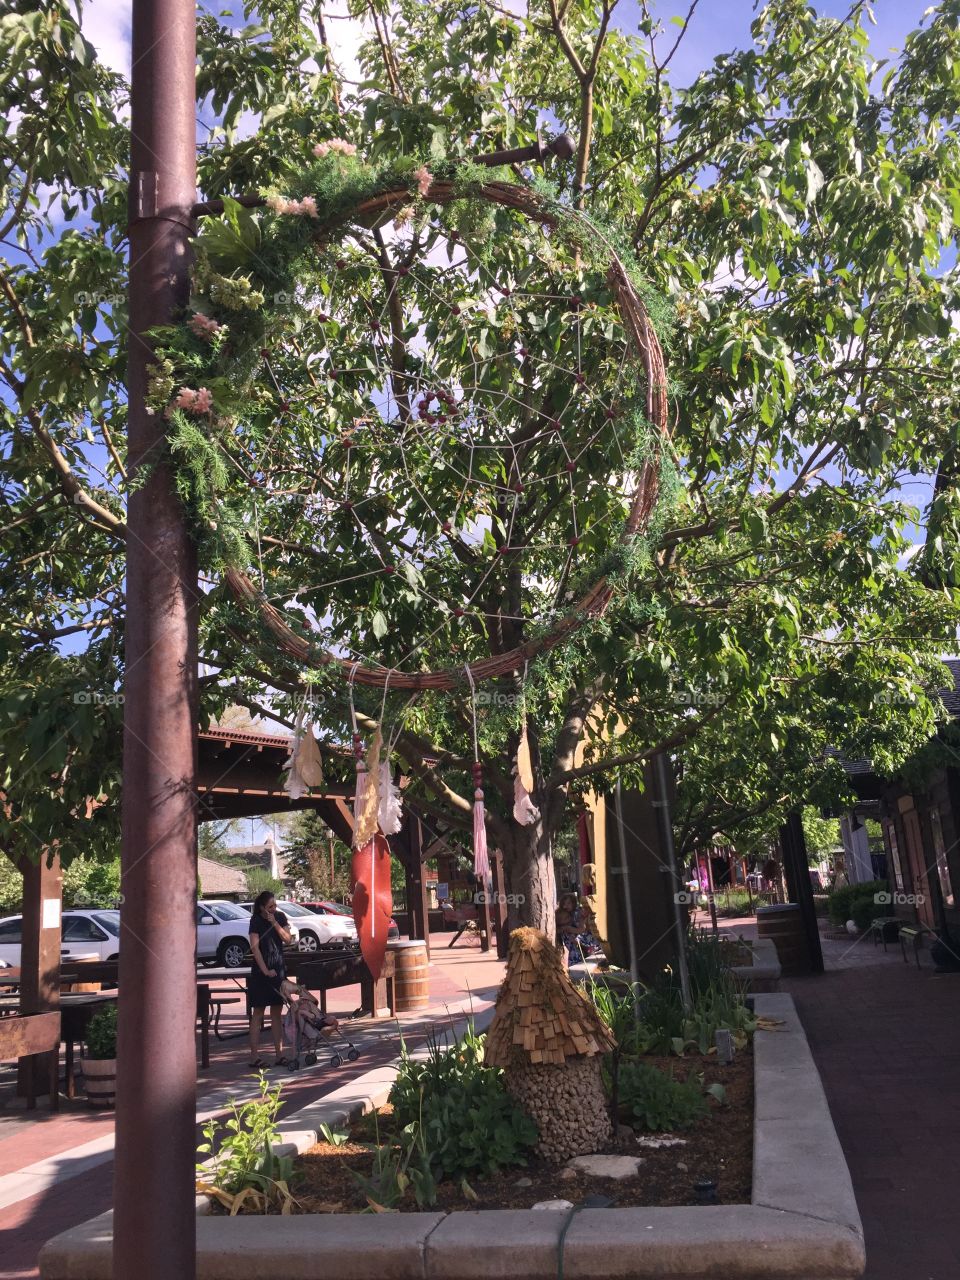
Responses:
[424,179]
[200,401]
[339,145]
[305,207]
[202,326]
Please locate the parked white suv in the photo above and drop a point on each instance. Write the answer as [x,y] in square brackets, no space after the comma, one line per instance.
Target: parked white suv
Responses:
[83,933]
[317,932]
[223,932]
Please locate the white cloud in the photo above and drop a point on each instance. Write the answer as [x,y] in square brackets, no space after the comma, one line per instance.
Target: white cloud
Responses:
[106,24]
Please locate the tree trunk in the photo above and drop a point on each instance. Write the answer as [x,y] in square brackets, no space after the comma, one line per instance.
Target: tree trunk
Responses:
[530,877]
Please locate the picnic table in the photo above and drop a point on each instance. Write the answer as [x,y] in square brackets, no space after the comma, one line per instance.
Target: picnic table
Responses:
[75,1011]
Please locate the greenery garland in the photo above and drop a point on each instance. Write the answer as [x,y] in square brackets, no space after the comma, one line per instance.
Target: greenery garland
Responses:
[208,374]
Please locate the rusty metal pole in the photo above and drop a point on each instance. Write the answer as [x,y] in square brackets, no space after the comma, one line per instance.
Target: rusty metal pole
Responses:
[154,1219]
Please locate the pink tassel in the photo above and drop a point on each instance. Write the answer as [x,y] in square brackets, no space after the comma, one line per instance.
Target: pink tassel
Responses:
[361,779]
[481,862]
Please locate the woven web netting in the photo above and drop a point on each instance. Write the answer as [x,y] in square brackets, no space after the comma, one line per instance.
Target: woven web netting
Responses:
[451,442]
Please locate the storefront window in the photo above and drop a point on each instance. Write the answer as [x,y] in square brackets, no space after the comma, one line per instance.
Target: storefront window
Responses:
[943,867]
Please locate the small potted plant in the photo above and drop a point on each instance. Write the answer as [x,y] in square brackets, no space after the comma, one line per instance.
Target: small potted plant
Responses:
[99,1063]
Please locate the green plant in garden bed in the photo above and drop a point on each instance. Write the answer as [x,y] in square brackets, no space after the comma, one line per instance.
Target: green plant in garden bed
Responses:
[467,1122]
[653,1020]
[246,1171]
[651,1099]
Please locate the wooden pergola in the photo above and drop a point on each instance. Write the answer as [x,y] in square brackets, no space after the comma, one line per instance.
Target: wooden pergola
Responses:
[240,774]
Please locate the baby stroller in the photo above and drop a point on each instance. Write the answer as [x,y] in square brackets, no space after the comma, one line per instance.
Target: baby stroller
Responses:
[304,1025]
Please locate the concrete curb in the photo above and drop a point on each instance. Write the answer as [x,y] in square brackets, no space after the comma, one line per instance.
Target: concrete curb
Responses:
[764,974]
[803,1220]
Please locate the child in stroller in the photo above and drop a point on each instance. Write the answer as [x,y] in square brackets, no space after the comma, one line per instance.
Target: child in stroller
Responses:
[304,1024]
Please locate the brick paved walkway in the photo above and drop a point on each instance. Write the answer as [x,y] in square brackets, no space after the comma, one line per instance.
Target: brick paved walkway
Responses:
[83,1184]
[886,1039]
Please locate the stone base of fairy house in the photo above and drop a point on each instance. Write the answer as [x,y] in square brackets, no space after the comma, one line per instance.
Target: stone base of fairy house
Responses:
[568,1104]
[550,1040]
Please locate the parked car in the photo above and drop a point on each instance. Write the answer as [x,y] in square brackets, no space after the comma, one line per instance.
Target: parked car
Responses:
[223,932]
[318,932]
[325,907]
[83,933]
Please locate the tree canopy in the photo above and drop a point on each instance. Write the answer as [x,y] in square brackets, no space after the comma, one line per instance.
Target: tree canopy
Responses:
[796,207]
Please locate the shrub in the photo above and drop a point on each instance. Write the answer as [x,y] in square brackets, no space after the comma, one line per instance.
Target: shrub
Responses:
[865,908]
[735,902]
[650,1099]
[101,1034]
[468,1123]
[839,900]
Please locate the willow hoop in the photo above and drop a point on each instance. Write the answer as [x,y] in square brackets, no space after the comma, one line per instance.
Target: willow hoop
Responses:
[641,336]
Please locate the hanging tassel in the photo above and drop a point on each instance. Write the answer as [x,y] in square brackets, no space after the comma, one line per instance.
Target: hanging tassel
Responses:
[525,812]
[391,805]
[361,784]
[481,862]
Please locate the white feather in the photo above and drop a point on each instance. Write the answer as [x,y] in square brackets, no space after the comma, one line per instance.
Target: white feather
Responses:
[294,784]
[524,810]
[391,806]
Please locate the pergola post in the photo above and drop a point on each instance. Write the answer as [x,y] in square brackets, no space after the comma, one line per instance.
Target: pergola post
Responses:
[154,1217]
[39,956]
[418,916]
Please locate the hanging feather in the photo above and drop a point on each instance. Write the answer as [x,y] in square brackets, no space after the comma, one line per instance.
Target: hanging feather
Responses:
[372,900]
[295,784]
[391,806]
[366,813]
[307,759]
[525,812]
[481,861]
[524,762]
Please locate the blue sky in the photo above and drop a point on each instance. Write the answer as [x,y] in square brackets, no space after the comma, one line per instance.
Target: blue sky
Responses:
[717,27]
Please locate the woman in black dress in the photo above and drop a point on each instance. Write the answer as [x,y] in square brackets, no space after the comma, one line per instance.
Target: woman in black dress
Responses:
[268,933]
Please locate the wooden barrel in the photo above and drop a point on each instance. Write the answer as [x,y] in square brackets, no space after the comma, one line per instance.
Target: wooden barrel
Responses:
[783,925]
[100,1081]
[412,975]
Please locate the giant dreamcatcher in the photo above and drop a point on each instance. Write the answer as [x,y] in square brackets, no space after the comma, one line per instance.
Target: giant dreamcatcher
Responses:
[418,415]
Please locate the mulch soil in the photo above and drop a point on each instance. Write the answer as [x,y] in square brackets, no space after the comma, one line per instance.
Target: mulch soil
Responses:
[719,1148]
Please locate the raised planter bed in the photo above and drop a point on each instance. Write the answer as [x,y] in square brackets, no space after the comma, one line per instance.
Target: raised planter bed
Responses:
[802,1223]
[760,971]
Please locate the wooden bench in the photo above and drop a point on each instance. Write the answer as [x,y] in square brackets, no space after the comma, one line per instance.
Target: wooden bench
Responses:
[24,1035]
